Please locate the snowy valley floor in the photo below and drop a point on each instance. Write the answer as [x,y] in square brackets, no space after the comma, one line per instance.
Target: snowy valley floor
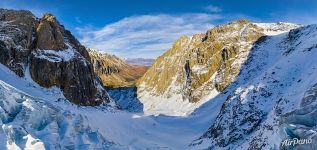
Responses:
[53,119]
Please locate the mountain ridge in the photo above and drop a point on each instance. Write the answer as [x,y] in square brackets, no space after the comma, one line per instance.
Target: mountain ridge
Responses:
[115,72]
[197,67]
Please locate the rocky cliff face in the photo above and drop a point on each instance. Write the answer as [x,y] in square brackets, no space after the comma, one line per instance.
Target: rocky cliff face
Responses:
[50,34]
[54,56]
[16,38]
[199,65]
[115,72]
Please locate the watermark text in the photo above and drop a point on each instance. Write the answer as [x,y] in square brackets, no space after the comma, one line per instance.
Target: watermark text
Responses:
[296,141]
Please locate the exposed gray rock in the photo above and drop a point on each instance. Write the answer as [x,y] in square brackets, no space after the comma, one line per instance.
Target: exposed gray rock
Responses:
[16,32]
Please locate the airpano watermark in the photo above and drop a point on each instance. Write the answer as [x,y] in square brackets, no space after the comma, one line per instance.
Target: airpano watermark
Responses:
[296,141]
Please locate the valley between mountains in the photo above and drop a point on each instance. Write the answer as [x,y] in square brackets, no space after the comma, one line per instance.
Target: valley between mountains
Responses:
[240,85]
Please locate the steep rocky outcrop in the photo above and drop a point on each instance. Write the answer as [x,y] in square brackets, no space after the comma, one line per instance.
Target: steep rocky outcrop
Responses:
[115,72]
[49,34]
[56,61]
[54,56]
[209,61]
[16,33]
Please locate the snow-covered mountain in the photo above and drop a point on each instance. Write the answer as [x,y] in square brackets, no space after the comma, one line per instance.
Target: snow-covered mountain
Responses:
[197,68]
[241,86]
[273,98]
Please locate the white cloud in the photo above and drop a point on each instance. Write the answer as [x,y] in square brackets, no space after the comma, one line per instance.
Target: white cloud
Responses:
[213,9]
[144,36]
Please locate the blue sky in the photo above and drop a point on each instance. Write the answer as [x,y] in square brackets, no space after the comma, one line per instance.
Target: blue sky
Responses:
[147,28]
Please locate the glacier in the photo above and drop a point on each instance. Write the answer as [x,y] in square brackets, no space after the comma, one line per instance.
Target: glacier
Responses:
[34,117]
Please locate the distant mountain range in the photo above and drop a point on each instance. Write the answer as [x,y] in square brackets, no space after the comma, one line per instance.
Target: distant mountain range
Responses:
[140,61]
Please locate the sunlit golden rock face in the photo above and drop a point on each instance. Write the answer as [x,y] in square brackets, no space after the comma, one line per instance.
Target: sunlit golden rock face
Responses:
[115,72]
[196,65]
[50,34]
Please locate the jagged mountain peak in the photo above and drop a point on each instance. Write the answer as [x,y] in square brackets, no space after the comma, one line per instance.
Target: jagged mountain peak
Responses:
[49,17]
[50,34]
